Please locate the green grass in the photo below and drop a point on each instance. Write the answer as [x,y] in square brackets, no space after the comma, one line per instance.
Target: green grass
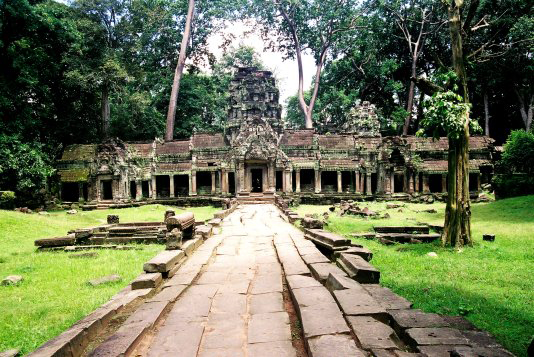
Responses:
[490,283]
[54,293]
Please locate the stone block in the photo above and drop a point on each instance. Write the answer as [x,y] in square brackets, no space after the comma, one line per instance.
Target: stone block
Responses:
[56,242]
[438,350]
[215,222]
[113,219]
[182,221]
[372,333]
[204,230]
[170,293]
[105,280]
[413,318]
[336,281]
[148,280]
[301,281]
[355,302]
[10,353]
[164,261]
[270,349]
[315,258]
[387,298]
[321,271]
[435,336]
[311,223]
[465,351]
[358,269]
[313,296]
[333,345]
[12,280]
[323,319]
[263,303]
[190,245]
[363,235]
[362,252]
[269,327]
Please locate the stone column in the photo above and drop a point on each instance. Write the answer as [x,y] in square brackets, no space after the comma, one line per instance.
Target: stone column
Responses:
[368,190]
[426,187]
[392,182]
[80,191]
[339,188]
[224,181]
[171,186]
[154,190]
[443,183]
[272,176]
[478,182]
[297,178]
[138,190]
[289,187]
[410,183]
[241,177]
[213,186]
[357,177]
[193,183]
[317,181]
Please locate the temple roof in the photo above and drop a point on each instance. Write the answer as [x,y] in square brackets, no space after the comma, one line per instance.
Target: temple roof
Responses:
[173,147]
[79,152]
[201,141]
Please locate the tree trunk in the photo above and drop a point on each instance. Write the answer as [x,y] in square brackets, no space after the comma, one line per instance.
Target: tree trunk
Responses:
[486,114]
[309,112]
[105,111]
[526,113]
[171,113]
[411,93]
[457,227]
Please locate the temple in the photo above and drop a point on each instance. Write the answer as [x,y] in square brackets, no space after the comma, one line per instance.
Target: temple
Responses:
[257,157]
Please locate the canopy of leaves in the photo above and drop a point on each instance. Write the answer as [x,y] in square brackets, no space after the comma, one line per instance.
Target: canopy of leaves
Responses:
[518,154]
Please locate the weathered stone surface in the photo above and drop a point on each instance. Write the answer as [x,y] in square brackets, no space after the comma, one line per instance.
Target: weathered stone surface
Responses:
[372,333]
[481,339]
[271,349]
[174,240]
[105,280]
[333,345]
[190,245]
[215,222]
[148,280]
[176,268]
[170,293]
[358,269]
[113,219]
[263,303]
[164,261]
[458,322]
[387,298]
[438,350]
[327,240]
[269,327]
[377,352]
[182,221]
[12,280]
[177,339]
[402,229]
[301,281]
[267,284]
[336,281]
[205,231]
[465,351]
[358,303]
[321,271]
[84,255]
[362,252]
[315,258]
[410,318]
[126,338]
[56,242]
[364,235]
[435,336]
[293,264]
[324,319]
[312,223]
[313,296]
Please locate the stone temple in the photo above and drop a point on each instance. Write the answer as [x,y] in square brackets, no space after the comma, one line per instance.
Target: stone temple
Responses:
[256,158]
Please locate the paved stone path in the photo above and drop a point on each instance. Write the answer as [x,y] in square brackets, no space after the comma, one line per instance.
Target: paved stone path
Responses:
[235,308]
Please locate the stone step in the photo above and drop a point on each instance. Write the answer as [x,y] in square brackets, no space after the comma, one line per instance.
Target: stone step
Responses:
[362,252]
[402,229]
[164,261]
[409,237]
[358,269]
[56,242]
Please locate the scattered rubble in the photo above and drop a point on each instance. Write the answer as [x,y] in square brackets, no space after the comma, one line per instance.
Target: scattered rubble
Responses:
[12,280]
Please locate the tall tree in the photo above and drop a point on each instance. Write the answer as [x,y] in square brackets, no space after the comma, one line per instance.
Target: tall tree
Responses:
[171,114]
[306,25]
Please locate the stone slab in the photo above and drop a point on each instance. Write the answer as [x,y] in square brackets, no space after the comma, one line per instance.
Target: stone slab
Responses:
[435,336]
[176,338]
[271,349]
[313,296]
[315,258]
[105,280]
[301,281]
[321,271]
[358,269]
[324,319]
[328,237]
[56,242]
[336,281]
[170,293]
[387,298]
[10,353]
[465,351]
[354,302]
[333,345]
[372,333]
[263,303]
[438,351]
[189,246]
[362,252]
[267,284]
[269,327]
[164,261]
[413,318]
[147,280]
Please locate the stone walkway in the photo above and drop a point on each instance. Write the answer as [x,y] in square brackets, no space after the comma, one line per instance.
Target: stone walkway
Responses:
[235,308]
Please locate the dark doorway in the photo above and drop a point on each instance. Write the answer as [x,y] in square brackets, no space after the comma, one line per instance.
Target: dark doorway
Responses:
[231,183]
[279,181]
[374,182]
[133,190]
[204,182]
[398,180]
[181,185]
[70,191]
[107,190]
[329,181]
[307,180]
[163,186]
[294,181]
[434,183]
[473,182]
[145,188]
[346,181]
[257,180]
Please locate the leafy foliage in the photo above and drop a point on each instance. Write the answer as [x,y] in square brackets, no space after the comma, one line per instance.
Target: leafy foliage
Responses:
[518,154]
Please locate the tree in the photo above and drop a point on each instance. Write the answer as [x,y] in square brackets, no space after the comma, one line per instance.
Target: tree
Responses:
[306,25]
[171,114]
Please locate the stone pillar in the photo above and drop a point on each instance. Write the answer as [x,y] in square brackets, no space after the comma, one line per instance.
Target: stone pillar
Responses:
[193,183]
[317,181]
[224,181]
[392,182]
[357,177]
[443,183]
[368,190]
[213,185]
[272,176]
[297,178]
[138,190]
[241,177]
[80,191]
[426,187]
[410,183]
[289,187]
[154,190]
[339,188]
[171,186]
[478,182]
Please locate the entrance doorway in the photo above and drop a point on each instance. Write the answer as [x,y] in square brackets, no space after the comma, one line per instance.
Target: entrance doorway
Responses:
[107,190]
[257,180]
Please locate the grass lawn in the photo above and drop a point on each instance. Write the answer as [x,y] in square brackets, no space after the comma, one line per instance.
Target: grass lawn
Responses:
[54,293]
[492,284]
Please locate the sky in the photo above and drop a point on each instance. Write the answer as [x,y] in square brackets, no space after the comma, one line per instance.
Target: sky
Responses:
[285,71]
